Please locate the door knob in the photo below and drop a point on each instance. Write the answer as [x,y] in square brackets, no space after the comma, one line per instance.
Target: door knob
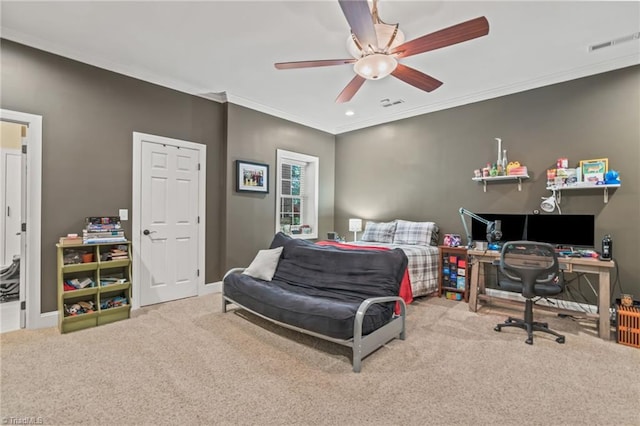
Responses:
[146,232]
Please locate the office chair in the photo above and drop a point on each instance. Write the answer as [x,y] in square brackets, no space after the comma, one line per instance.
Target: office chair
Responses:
[530,268]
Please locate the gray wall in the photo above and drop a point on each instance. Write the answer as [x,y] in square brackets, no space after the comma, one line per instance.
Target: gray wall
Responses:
[421,168]
[89,116]
[254,136]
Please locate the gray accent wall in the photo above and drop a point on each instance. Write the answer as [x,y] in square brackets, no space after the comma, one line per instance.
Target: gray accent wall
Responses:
[255,136]
[89,116]
[421,168]
[418,169]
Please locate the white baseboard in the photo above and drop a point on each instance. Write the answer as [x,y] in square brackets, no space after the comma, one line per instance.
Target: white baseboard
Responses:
[48,319]
[565,304]
[11,319]
[211,288]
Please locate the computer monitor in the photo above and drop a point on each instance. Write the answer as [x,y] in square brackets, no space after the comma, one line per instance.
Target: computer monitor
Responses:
[562,230]
[513,226]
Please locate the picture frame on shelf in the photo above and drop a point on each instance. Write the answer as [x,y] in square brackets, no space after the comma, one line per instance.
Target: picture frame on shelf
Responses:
[594,170]
[252,177]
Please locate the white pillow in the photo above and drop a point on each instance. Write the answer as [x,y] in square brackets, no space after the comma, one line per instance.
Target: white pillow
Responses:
[264,265]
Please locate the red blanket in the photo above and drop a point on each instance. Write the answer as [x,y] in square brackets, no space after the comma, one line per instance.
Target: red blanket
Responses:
[405,286]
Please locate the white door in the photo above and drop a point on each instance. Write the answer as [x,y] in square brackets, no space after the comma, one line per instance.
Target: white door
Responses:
[169,203]
[31,209]
[12,290]
[12,205]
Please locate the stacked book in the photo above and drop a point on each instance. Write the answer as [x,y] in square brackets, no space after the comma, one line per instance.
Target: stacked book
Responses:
[101,230]
[119,252]
[78,283]
[71,240]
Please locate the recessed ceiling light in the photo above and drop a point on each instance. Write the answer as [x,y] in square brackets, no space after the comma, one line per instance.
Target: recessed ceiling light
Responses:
[349,113]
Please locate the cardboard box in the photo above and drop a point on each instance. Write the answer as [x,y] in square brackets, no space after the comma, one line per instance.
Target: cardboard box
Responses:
[518,171]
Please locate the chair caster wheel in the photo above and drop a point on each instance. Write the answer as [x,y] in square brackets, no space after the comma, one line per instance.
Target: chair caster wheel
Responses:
[497,328]
[529,341]
[560,339]
[509,320]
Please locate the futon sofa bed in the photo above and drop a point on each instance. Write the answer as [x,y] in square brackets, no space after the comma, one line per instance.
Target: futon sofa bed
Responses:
[342,295]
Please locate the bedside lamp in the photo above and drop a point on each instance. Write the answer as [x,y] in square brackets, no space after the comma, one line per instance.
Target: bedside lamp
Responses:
[355,226]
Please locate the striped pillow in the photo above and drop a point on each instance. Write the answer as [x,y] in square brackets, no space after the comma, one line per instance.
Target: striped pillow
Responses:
[381,232]
[416,233]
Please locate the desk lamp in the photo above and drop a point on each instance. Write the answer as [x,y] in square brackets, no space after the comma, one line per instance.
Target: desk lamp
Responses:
[494,229]
[549,204]
[355,225]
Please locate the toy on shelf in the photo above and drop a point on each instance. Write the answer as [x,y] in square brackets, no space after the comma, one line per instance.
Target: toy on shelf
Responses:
[612,177]
[82,307]
[113,302]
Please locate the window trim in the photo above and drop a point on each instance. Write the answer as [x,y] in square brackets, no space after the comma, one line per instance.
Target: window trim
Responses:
[311,185]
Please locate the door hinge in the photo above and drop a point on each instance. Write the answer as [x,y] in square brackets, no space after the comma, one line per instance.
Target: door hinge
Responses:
[198,166]
[198,219]
[23,305]
[24,227]
[198,272]
[24,149]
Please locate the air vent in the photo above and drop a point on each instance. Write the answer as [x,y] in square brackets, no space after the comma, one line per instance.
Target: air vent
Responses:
[387,102]
[634,36]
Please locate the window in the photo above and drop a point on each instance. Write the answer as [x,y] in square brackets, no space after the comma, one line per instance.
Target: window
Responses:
[297,194]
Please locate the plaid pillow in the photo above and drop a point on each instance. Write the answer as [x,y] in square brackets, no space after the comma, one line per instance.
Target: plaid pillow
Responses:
[379,232]
[416,233]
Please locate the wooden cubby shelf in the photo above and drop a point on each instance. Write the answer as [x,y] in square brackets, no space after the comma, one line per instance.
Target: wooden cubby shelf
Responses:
[73,265]
[453,271]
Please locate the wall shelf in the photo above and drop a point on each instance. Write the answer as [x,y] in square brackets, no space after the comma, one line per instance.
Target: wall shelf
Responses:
[486,179]
[583,185]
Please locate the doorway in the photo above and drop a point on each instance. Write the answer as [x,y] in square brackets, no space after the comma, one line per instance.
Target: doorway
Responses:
[168,219]
[11,171]
[20,183]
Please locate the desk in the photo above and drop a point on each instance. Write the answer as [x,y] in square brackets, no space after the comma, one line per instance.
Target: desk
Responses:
[481,258]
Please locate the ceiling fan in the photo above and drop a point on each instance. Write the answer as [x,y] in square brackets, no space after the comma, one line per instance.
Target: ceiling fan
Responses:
[377,46]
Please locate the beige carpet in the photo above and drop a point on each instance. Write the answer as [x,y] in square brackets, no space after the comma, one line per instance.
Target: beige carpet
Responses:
[185,362]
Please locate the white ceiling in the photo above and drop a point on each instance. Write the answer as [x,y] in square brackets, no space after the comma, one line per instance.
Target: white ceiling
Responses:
[226,50]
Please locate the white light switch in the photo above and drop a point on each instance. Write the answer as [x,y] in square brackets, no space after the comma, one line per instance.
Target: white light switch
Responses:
[124,214]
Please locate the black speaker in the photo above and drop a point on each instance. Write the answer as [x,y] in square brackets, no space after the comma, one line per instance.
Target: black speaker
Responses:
[331,236]
[607,248]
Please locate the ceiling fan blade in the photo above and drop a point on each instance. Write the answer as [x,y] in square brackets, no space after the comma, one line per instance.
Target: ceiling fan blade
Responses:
[350,90]
[309,64]
[360,21]
[416,78]
[468,30]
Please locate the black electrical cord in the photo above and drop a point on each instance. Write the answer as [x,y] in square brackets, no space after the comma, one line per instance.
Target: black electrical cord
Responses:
[615,282]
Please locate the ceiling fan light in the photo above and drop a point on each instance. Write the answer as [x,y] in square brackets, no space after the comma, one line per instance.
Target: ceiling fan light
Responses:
[376,66]
[384,32]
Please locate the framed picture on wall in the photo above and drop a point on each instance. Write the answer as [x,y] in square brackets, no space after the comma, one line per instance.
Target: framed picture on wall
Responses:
[252,177]
[594,170]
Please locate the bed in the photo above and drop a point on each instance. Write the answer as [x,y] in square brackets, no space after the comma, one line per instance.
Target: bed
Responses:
[418,240]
